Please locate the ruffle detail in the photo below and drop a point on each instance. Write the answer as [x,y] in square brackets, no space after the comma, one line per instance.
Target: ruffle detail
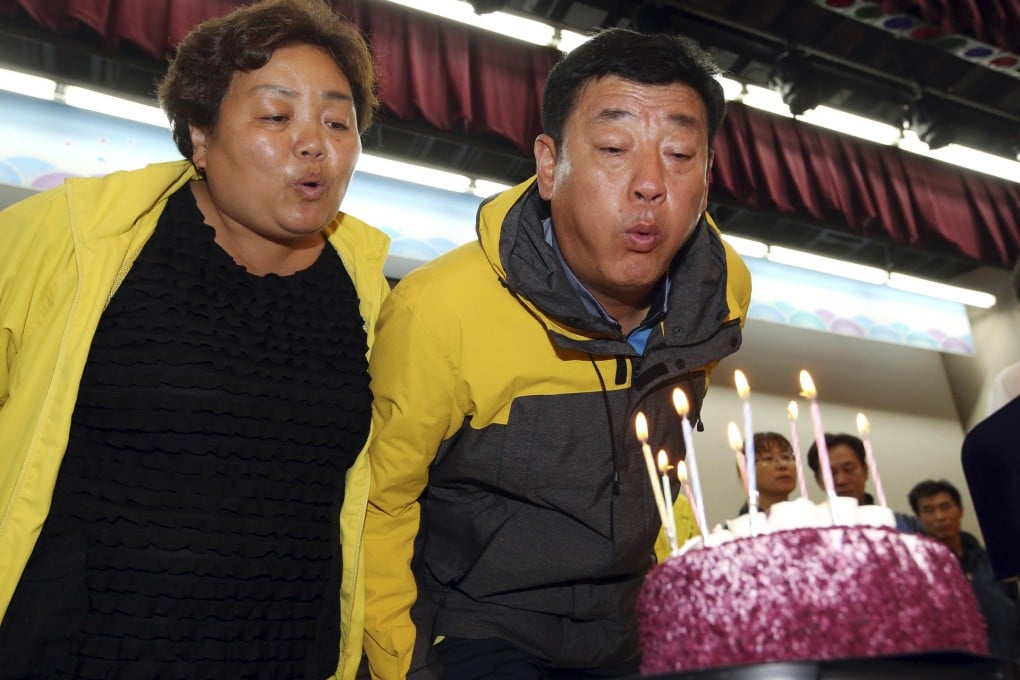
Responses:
[217,417]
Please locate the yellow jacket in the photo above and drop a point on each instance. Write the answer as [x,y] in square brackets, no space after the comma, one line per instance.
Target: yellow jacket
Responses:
[64,252]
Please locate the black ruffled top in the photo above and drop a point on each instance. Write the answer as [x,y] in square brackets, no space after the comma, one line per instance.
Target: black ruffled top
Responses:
[194,531]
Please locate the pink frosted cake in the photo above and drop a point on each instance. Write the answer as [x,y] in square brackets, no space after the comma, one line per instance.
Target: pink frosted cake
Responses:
[807,594]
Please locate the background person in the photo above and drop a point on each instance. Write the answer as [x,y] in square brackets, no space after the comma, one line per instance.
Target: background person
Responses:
[508,373]
[848,462]
[776,469]
[991,465]
[937,504]
[184,395]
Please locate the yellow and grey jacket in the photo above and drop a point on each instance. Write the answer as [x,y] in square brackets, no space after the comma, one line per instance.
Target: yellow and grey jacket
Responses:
[64,252]
[505,461]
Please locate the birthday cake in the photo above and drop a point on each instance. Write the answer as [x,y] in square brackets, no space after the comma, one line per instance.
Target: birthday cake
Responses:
[814,593]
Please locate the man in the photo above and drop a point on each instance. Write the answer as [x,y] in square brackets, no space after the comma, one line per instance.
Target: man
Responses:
[848,462]
[508,373]
[938,506]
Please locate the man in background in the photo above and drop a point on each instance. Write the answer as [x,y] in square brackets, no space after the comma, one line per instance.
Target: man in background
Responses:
[937,504]
[848,462]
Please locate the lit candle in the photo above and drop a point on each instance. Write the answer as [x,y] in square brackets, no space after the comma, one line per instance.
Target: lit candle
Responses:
[641,429]
[681,476]
[667,493]
[807,387]
[683,408]
[864,428]
[737,444]
[792,412]
[744,392]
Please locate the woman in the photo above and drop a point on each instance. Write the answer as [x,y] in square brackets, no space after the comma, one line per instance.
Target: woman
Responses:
[775,469]
[184,399]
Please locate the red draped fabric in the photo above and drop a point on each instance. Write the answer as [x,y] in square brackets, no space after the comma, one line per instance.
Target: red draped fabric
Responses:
[996,22]
[769,162]
[459,79]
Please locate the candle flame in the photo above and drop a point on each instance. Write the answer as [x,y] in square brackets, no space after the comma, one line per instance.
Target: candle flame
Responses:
[641,427]
[743,389]
[736,441]
[664,465]
[792,411]
[680,402]
[681,472]
[863,426]
[807,386]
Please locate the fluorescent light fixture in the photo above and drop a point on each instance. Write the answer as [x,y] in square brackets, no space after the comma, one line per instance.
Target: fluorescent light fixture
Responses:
[91,100]
[827,265]
[521,28]
[416,174]
[966,296]
[568,41]
[733,90]
[851,124]
[28,85]
[766,100]
[747,247]
[485,188]
[979,161]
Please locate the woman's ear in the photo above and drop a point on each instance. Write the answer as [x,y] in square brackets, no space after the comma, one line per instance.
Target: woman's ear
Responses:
[199,146]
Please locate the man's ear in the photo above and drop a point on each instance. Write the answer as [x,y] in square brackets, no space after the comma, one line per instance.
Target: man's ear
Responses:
[545,164]
[199,146]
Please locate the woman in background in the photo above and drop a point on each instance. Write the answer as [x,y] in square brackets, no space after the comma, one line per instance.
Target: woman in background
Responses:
[184,398]
[775,469]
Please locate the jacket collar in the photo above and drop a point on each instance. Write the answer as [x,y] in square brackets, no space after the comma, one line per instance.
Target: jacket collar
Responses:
[512,236]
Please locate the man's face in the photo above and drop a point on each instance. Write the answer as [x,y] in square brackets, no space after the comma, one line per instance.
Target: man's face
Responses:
[628,184]
[848,474]
[940,515]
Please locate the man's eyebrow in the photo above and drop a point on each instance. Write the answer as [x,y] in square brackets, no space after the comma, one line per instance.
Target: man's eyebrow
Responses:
[681,119]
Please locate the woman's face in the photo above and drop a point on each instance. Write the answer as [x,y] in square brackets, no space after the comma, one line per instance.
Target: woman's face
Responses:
[776,471]
[282,153]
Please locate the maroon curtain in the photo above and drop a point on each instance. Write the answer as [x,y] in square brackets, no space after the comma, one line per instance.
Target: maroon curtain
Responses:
[460,79]
[996,22]
[770,162]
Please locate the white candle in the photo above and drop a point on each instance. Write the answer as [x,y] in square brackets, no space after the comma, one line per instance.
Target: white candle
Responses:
[682,408]
[641,429]
[737,444]
[667,493]
[792,412]
[807,386]
[744,392]
[863,427]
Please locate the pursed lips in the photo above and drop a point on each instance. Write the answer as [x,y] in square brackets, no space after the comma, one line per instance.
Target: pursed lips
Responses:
[310,187]
[643,237]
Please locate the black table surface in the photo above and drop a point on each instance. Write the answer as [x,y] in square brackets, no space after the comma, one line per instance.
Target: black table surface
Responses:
[943,665]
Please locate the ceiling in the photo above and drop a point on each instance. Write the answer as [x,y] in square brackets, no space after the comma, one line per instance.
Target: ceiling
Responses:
[857,66]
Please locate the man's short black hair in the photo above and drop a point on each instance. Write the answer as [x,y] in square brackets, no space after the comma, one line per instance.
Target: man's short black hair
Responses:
[930,487]
[832,440]
[648,58]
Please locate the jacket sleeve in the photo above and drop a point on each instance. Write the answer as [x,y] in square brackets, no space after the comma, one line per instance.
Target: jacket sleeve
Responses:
[686,528]
[415,409]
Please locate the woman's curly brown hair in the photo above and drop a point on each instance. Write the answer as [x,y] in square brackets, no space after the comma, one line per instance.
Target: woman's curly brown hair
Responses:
[245,40]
